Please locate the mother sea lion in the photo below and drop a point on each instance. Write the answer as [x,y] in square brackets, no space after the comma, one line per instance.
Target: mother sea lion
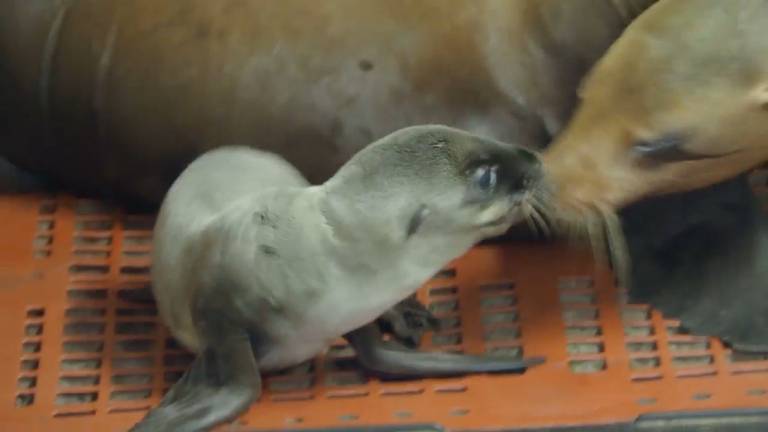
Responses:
[255,270]
[116,97]
[679,102]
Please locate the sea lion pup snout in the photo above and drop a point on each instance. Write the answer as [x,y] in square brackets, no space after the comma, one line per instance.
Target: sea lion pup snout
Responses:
[679,102]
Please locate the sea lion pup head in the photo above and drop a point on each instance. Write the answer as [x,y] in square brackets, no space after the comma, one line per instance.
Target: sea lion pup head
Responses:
[680,101]
[434,180]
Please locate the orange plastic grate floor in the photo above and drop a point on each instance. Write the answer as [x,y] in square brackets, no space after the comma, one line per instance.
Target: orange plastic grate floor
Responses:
[80,356]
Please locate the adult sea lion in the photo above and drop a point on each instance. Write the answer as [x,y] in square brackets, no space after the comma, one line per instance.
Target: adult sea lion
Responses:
[255,270]
[116,97]
[679,102]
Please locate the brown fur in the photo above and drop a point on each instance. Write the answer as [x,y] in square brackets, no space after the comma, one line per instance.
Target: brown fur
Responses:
[118,96]
[698,68]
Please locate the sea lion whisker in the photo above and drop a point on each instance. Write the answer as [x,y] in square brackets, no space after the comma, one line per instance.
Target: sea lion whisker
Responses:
[617,246]
[596,235]
[544,211]
[607,241]
[529,220]
[527,210]
[540,221]
[571,224]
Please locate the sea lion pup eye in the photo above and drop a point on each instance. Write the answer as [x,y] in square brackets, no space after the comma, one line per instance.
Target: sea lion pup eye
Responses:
[484,178]
[256,270]
[677,103]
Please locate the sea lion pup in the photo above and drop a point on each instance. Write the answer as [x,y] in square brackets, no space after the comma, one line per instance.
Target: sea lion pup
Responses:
[256,270]
[679,102]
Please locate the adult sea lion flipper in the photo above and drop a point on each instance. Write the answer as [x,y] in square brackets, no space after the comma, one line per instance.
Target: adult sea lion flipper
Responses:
[701,257]
[221,383]
[389,359]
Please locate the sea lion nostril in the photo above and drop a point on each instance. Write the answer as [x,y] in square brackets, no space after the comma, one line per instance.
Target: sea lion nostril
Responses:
[528,182]
[527,179]
[521,183]
[530,171]
[528,165]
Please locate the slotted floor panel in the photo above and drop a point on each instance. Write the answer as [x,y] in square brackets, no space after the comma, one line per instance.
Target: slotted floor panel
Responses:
[80,353]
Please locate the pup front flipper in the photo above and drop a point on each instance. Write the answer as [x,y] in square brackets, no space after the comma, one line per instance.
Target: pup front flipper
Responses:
[408,321]
[392,360]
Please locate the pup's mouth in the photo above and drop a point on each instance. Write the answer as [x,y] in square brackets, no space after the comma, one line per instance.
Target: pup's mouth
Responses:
[501,220]
[515,213]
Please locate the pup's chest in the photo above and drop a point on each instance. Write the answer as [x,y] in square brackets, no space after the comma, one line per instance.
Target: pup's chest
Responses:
[329,316]
[350,299]
[351,305]
[335,299]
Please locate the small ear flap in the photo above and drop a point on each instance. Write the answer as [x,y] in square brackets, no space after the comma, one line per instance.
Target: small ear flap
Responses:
[416,220]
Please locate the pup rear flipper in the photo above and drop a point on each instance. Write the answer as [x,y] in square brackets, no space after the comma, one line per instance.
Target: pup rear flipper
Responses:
[221,383]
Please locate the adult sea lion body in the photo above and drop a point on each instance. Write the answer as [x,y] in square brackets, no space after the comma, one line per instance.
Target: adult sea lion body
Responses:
[117,97]
[255,270]
[679,102]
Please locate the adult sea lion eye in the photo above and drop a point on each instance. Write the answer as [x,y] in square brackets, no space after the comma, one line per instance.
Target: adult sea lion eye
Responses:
[485,177]
[667,148]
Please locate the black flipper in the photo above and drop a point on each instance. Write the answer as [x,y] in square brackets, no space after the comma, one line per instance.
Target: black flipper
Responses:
[220,385]
[702,257]
[386,358]
[407,321]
